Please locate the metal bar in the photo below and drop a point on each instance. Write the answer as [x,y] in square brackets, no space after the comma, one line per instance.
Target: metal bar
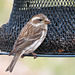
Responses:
[44,55]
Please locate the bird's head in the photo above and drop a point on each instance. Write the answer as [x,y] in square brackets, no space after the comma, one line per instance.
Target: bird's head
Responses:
[39,19]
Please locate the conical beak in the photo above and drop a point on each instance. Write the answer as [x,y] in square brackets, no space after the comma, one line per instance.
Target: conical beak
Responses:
[47,21]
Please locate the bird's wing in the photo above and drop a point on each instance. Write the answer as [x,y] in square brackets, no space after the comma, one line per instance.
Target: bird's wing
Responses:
[26,38]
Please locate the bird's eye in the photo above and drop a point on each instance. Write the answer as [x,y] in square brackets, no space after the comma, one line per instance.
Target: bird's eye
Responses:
[40,19]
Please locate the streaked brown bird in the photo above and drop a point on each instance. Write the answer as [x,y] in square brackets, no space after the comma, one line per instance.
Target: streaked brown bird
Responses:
[30,38]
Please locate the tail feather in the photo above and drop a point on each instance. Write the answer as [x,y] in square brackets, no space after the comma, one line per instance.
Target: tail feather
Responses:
[11,66]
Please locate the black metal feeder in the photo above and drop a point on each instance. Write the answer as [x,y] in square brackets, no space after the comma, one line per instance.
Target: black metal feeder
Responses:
[60,40]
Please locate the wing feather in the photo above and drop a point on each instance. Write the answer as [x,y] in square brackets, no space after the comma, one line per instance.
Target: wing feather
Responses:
[27,37]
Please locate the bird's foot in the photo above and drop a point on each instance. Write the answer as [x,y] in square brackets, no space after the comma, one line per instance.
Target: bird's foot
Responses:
[34,54]
[22,56]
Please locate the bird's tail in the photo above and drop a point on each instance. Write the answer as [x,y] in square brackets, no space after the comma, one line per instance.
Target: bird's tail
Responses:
[11,66]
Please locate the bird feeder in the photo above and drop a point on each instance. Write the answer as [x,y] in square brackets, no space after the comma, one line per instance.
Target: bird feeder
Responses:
[60,39]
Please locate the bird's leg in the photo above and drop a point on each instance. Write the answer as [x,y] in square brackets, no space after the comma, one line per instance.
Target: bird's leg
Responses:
[34,54]
[22,56]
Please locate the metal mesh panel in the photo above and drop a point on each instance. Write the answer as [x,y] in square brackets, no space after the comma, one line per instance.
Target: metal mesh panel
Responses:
[61,30]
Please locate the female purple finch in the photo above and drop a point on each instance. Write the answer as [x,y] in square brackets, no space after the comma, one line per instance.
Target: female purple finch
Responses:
[30,38]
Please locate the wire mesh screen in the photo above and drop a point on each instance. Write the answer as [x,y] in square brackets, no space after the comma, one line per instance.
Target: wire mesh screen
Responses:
[61,30]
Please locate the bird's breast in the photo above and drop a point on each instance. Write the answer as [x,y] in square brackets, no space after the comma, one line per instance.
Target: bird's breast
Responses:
[36,44]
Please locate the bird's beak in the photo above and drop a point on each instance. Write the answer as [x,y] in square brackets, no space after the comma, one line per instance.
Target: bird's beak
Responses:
[47,21]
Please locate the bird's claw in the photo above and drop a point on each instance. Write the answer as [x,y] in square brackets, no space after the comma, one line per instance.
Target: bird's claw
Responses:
[22,56]
[35,55]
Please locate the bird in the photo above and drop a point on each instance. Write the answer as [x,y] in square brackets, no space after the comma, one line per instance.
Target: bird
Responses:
[30,38]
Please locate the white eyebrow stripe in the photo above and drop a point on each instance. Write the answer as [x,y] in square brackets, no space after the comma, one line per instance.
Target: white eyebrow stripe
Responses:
[35,18]
[36,25]
[47,19]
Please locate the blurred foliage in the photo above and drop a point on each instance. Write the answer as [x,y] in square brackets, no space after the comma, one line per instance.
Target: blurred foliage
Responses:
[52,66]
[5,10]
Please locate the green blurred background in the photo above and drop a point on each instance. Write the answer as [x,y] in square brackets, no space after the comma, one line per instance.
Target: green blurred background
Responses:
[29,66]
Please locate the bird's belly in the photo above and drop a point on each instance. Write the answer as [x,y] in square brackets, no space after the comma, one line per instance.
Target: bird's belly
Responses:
[35,45]
[31,48]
